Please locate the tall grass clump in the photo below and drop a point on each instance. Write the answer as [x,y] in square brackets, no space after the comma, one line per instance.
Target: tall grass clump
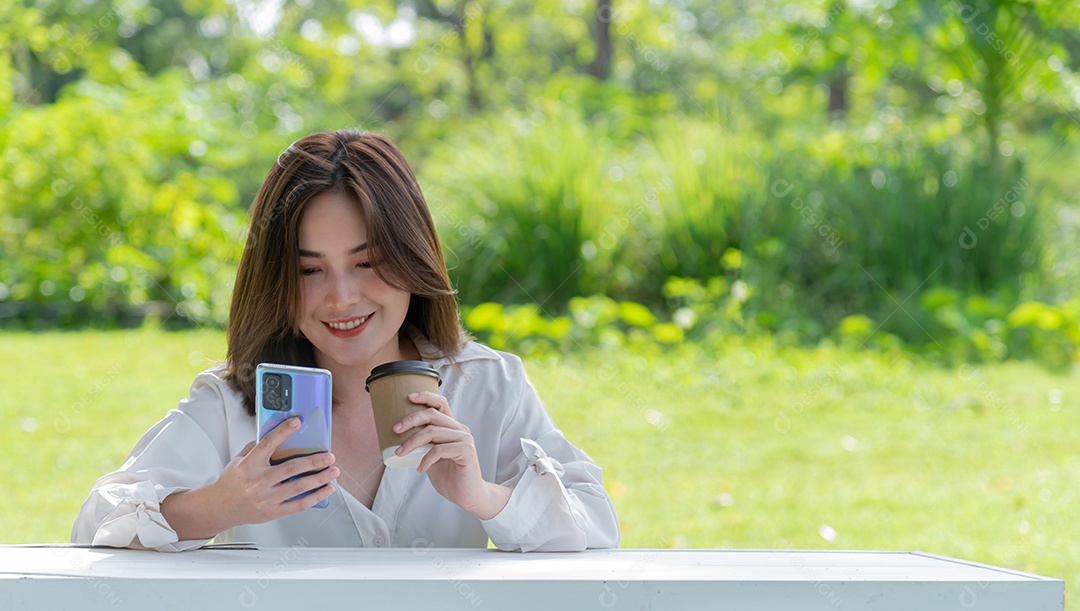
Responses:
[714,186]
[833,227]
[883,230]
[520,201]
[726,213]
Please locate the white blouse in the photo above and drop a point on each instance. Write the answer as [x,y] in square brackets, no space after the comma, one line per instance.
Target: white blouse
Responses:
[558,501]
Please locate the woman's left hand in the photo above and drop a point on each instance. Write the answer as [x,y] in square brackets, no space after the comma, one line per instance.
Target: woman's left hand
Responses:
[451,464]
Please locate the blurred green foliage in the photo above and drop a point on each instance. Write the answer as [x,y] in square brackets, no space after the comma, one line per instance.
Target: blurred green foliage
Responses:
[820,169]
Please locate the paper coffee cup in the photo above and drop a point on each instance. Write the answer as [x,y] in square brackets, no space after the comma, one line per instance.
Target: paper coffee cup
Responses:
[390,385]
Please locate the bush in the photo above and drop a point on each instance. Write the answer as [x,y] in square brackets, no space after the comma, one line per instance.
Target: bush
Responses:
[957,329]
[105,219]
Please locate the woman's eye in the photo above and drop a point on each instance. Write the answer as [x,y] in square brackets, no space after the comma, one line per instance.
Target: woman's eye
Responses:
[364,264]
[307,271]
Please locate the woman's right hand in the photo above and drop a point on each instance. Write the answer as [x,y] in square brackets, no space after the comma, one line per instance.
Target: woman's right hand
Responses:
[250,490]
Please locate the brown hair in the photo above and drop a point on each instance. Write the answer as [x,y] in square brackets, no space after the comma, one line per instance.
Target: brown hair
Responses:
[264,318]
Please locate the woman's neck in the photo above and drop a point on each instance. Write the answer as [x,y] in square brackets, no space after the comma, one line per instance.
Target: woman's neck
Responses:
[349,381]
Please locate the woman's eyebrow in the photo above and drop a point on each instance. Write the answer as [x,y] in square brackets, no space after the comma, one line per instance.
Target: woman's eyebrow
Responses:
[318,255]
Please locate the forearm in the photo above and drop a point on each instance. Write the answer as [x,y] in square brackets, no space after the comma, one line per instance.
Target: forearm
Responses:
[193,514]
[496,499]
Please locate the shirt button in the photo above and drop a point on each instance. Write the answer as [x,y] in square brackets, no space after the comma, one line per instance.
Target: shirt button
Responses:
[378,541]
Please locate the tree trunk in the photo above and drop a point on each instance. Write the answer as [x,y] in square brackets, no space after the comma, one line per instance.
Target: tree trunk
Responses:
[475,102]
[601,63]
[838,99]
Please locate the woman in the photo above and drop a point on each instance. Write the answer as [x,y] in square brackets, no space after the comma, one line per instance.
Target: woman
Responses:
[343,270]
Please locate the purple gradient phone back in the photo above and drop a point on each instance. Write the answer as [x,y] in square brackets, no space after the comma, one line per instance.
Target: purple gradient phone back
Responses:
[309,398]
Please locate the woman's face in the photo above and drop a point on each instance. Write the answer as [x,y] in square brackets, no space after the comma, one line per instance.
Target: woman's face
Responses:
[349,314]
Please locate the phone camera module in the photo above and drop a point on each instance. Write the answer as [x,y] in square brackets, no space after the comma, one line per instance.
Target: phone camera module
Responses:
[276,393]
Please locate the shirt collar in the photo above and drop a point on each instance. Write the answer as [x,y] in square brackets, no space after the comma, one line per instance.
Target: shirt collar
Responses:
[429,352]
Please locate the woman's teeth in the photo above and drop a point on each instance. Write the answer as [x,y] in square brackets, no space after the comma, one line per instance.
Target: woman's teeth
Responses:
[345,326]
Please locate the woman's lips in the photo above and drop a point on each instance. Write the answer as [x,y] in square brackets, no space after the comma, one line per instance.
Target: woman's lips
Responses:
[353,332]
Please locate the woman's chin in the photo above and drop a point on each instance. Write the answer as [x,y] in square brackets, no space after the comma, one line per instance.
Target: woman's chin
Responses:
[349,358]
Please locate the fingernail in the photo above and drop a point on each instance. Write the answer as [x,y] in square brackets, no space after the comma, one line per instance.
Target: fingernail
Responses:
[414,394]
[294,422]
[329,458]
[397,427]
[399,450]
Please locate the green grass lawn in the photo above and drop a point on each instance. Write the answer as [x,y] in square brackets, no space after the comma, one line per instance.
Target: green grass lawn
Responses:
[740,444]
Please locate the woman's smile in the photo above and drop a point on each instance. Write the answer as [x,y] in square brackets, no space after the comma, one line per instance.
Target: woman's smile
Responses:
[347,327]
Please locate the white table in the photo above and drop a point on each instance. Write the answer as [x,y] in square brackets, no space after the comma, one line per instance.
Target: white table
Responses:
[68,577]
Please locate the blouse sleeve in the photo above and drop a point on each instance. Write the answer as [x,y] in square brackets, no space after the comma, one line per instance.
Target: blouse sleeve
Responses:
[187,449]
[558,501]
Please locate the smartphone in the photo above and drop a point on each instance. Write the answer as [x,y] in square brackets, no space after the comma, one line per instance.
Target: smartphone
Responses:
[285,391]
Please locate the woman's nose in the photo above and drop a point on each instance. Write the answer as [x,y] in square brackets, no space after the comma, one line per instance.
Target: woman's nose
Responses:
[343,291]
